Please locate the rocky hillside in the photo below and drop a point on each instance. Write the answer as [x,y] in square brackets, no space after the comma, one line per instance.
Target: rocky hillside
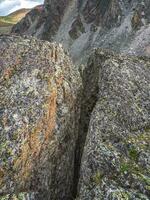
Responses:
[6,22]
[83,25]
[30,22]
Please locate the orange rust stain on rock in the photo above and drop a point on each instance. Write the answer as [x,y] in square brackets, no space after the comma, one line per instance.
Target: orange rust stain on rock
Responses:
[7,73]
[51,115]
[1,173]
[10,70]
[31,150]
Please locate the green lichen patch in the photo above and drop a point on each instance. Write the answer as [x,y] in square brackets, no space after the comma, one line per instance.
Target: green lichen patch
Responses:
[20,196]
[97,178]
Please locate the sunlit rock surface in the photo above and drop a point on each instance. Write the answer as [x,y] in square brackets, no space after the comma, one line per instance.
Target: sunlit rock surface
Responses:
[116,158]
[107,156]
[39,113]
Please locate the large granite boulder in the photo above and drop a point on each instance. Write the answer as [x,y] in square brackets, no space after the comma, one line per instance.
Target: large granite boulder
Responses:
[39,111]
[116,159]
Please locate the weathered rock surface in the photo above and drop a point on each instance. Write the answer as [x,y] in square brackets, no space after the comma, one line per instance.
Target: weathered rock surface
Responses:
[39,113]
[53,145]
[116,159]
[43,131]
[81,25]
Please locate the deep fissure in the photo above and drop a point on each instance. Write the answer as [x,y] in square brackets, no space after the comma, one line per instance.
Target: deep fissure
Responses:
[90,78]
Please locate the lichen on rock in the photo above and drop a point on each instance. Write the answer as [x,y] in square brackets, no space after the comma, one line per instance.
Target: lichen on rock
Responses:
[39,112]
[116,158]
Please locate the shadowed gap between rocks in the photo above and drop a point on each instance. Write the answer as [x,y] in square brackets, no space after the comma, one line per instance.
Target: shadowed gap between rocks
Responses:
[90,76]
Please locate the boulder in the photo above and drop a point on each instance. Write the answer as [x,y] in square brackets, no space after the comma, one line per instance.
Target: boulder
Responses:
[116,158]
[39,111]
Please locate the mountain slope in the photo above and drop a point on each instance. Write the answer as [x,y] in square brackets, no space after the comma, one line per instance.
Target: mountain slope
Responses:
[80,26]
[6,22]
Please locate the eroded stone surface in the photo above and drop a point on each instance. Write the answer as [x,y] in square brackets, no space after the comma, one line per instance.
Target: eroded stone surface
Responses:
[116,158]
[39,110]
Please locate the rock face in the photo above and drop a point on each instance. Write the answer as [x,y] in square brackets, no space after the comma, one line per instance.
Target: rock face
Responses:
[54,146]
[61,142]
[116,158]
[80,26]
[39,113]
[29,23]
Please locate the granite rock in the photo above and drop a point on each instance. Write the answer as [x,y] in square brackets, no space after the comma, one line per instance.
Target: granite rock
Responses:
[39,111]
[116,158]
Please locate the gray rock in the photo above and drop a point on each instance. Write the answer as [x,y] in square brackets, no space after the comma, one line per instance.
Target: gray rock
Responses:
[39,111]
[116,159]
[120,25]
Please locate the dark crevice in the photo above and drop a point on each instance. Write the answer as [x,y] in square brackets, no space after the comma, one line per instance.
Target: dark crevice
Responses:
[90,78]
